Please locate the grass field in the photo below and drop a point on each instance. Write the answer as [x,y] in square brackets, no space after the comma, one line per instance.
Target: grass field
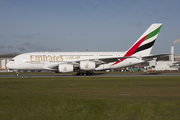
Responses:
[88,98]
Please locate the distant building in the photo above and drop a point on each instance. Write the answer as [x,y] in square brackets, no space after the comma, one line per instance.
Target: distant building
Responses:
[177,57]
[166,65]
[172,64]
[3,63]
[5,58]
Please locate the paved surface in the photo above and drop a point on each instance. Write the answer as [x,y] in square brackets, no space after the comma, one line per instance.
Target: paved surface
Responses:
[97,75]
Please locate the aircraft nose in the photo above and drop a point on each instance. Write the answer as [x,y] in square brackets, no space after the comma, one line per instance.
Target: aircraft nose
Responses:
[9,65]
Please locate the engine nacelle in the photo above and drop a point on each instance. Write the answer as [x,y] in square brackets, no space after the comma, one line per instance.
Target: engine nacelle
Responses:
[87,65]
[65,68]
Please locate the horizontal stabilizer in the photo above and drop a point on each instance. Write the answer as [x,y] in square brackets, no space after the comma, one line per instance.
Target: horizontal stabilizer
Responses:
[153,56]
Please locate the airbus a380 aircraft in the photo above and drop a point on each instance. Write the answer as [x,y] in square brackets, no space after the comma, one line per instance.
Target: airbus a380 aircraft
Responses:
[86,62]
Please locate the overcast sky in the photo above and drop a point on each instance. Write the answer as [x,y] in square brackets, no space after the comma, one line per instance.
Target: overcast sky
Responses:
[77,25]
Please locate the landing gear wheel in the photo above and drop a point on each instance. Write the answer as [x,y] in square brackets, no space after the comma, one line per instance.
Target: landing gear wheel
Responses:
[17,74]
[86,73]
[80,73]
[91,73]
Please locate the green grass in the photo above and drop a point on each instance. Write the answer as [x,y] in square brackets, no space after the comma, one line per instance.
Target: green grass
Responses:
[88,98]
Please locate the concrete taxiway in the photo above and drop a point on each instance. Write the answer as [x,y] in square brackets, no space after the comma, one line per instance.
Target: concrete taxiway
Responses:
[96,75]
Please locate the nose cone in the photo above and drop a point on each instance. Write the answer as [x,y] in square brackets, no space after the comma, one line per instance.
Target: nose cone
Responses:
[10,65]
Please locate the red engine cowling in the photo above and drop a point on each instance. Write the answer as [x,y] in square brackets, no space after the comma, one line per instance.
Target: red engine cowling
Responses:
[87,65]
[65,68]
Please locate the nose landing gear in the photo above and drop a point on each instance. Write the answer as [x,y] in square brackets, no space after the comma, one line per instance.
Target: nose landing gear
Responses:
[17,74]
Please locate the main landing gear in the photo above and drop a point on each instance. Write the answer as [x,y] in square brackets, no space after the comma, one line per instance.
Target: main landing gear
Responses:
[84,73]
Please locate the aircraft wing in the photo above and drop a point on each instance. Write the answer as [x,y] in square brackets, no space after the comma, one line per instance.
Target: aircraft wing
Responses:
[76,63]
[101,60]
[112,59]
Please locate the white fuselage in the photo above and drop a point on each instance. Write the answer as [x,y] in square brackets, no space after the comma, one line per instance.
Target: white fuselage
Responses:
[46,60]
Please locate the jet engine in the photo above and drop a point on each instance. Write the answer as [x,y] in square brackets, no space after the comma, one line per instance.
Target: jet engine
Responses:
[65,68]
[87,65]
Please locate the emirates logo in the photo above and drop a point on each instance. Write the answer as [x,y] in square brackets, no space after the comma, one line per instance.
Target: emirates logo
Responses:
[86,66]
[65,68]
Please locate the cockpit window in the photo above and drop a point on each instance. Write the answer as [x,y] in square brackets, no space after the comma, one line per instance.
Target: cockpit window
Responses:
[12,60]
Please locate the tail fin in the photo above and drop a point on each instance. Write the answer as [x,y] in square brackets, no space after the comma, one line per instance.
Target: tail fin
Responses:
[145,43]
